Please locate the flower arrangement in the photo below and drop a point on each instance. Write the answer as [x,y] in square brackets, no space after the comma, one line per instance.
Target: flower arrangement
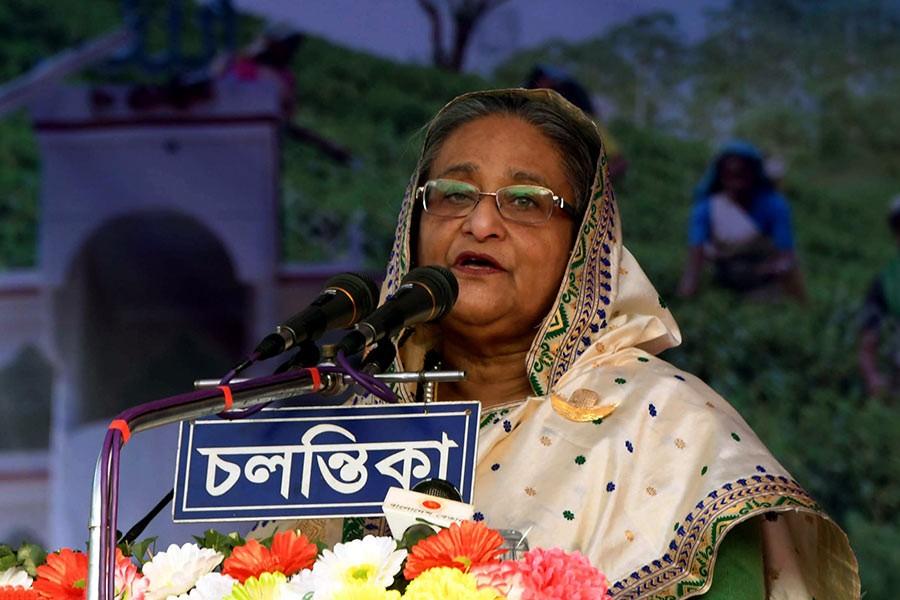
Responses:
[462,561]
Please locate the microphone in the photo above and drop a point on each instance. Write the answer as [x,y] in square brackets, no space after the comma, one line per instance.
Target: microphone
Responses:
[425,294]
[379,358]
[415,514]
[307,355]
[345,299]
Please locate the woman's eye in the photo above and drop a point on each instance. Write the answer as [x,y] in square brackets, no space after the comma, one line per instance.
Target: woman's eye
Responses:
[457,198]
[523,201]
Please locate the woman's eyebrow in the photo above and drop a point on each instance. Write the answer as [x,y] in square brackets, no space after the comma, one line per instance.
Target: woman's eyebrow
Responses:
[515,174]
[529,176]
[458,169]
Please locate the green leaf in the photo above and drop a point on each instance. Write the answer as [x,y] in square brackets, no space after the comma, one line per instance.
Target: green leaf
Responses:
[31,556]
[221,542]
[141,550]
[8,558]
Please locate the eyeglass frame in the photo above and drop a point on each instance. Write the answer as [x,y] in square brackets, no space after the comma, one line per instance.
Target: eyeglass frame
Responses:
[557,201]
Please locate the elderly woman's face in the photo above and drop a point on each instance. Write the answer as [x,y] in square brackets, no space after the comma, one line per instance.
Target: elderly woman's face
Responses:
[508,272]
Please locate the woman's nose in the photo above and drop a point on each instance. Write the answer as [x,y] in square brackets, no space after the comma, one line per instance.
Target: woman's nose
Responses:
[485,219]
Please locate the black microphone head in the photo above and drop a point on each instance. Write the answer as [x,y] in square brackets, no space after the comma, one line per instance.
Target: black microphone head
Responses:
[361,289]
[425,294]
[441,282]
[344,301]
[440,488]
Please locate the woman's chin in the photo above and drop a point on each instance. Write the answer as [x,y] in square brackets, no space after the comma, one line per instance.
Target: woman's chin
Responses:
[475,316]
[471,318]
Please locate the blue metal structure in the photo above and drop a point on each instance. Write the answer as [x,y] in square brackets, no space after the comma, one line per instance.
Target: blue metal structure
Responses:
[215,19]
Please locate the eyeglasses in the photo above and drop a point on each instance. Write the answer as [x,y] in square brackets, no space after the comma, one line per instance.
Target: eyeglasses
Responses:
[530,204]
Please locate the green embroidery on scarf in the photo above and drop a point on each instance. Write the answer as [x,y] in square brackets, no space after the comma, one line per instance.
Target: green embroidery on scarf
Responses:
[559,325]
[542,362]
[696,538]
[572,303]
[536,384]
[491,416]
[599,191]
[579,251]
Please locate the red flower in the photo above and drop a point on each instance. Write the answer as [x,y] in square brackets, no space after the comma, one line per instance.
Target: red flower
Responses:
[460,546]
[63,576]
[18,593]
[290,554]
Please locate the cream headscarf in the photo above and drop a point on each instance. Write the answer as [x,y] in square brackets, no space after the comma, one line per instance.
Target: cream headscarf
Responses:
[589,296]
[618,454]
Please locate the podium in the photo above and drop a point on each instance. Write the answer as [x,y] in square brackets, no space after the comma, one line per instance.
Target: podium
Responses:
[255,479]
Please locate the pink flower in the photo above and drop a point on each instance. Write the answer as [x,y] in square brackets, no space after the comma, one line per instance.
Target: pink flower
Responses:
[503,577]
[544,575]
[128,580]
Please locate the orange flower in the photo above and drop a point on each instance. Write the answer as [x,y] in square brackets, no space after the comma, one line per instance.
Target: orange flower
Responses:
[461,546]
[63,576]
[290,554]
[18,593]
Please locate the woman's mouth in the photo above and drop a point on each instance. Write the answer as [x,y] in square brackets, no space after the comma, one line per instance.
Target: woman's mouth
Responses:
[475,262]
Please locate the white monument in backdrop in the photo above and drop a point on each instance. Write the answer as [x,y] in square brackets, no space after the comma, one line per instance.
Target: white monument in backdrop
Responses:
[159,264]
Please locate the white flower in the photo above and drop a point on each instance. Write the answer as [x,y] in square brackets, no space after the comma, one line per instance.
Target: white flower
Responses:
[372,559]
[268,586]
[15,577]
[177,570]
[303,583]
[212,586]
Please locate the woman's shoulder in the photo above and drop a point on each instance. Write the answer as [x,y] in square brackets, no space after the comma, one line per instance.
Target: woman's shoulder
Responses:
[771,199]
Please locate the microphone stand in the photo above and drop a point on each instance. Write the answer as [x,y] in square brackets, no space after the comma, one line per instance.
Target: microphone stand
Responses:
[208,401]
[104,496]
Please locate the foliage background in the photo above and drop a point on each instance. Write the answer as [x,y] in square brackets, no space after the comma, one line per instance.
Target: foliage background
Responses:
[813,81]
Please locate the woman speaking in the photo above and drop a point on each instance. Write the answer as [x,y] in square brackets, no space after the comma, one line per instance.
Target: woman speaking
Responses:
[588,441]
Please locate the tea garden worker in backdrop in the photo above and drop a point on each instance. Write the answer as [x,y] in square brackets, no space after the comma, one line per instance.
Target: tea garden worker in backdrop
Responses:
[880,331]
[742,225]
[559,80]
[270,58]
[588,441]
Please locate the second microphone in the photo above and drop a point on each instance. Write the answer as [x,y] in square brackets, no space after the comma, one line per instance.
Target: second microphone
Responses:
[425,294]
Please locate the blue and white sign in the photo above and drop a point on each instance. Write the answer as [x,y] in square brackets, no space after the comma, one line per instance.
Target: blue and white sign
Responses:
[320,462]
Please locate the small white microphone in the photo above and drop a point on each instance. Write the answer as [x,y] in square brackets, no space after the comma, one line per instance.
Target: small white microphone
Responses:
[406,509]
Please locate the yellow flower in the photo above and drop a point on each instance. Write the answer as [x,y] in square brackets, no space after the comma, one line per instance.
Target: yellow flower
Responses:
[364,590]
[267,587]
[447,583]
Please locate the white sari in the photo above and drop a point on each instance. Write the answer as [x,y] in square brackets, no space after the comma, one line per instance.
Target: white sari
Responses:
[618,454]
